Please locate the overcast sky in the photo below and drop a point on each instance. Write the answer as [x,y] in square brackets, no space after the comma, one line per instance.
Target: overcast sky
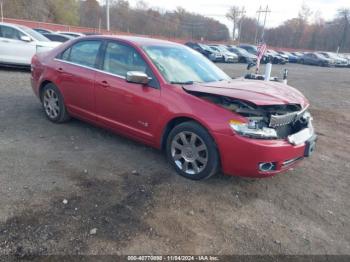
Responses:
[281,9]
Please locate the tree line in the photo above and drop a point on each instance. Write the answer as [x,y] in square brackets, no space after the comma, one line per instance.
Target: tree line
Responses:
[307,31]
[141,19]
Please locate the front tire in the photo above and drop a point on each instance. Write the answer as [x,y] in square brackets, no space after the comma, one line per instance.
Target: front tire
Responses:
[53,104]
[192,151]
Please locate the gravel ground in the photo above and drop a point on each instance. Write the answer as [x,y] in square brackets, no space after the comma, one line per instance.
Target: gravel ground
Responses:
[77,189]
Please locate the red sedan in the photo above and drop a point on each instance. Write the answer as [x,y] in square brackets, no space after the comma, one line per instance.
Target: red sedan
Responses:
[170,97]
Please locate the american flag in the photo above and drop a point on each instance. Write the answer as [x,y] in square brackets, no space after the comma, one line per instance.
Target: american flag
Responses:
[261,51]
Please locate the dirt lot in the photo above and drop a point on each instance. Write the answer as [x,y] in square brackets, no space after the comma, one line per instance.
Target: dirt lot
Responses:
[138,205]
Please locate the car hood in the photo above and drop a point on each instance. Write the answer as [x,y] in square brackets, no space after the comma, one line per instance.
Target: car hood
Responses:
[255,91]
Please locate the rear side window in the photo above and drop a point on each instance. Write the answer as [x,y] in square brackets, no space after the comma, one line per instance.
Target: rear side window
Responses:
[119,59]
[65,55]
[83,53]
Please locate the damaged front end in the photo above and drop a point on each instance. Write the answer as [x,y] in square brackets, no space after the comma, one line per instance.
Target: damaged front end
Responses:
[286,121]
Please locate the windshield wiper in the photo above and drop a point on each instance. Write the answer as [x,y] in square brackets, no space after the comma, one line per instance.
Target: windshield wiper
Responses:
[182,83]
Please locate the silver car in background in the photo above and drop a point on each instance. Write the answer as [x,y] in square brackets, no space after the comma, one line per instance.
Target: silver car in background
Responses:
[19,43]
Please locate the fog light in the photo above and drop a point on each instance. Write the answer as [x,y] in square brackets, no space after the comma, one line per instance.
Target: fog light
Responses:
[267,166]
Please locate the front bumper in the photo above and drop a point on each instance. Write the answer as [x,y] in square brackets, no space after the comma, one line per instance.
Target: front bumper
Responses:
[241,156]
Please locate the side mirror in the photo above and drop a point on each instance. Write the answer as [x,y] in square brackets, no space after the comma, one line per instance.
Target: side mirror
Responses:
[137,77]
[26,38]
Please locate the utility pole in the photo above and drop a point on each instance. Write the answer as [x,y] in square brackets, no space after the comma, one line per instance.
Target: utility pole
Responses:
[240,23]
[107,15]
[266,11]
[1,10]
[257,25]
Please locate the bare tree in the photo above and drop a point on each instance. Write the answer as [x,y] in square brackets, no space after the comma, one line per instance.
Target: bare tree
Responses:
[344,16]
[233,14]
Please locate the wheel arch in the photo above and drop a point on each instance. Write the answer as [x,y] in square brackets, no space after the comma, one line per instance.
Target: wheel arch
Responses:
[41,87]
[176,121]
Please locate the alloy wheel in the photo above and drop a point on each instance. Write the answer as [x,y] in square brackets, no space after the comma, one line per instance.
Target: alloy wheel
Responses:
[189,152]
[51,103]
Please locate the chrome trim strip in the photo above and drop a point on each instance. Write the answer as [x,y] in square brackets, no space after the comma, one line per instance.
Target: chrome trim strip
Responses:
[291,161]
[88,67]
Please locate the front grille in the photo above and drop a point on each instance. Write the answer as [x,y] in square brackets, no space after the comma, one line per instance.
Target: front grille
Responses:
[286,119]
[282,120]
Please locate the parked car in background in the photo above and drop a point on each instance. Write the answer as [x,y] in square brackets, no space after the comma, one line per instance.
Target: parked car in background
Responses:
[347,57]
[42,30]
[206,51]
[243,55]
[291,58]
[169,96]
[58,37]
[249,48]
[228,57]
[253,49]
[297,54]
[338,61]
[19,43]
[276,58]
[73,34]
[316,59]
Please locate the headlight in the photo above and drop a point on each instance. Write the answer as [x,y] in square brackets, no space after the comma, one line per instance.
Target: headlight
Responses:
[252,130]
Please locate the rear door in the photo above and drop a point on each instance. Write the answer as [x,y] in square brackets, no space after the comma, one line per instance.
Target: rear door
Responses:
[130,108]
[76,70]
[12,49]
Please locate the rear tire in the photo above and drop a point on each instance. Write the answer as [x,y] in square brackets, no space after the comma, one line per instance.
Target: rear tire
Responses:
[192,151]
[53,104]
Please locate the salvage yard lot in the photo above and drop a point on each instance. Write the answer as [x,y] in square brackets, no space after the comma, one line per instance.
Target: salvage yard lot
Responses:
[138,205]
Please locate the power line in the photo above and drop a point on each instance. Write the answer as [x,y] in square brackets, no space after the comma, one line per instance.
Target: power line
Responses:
[242,13]
[1,10]
[266,11]
[257,24]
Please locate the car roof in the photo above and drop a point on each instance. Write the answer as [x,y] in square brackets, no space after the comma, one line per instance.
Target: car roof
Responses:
[136,40]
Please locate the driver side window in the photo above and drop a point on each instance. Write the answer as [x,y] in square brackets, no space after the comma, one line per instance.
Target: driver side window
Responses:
[119,59]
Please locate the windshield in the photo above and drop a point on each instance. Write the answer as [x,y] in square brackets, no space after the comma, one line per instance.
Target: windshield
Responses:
[37,36]
[222,48]
[180,64]
[205,47]
[215,48]
[319,55]
[242,51]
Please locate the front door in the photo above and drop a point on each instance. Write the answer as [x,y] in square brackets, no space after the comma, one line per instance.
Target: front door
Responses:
[130,108]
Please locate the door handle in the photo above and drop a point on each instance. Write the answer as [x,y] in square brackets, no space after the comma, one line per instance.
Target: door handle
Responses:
[60,70]
[104,83]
